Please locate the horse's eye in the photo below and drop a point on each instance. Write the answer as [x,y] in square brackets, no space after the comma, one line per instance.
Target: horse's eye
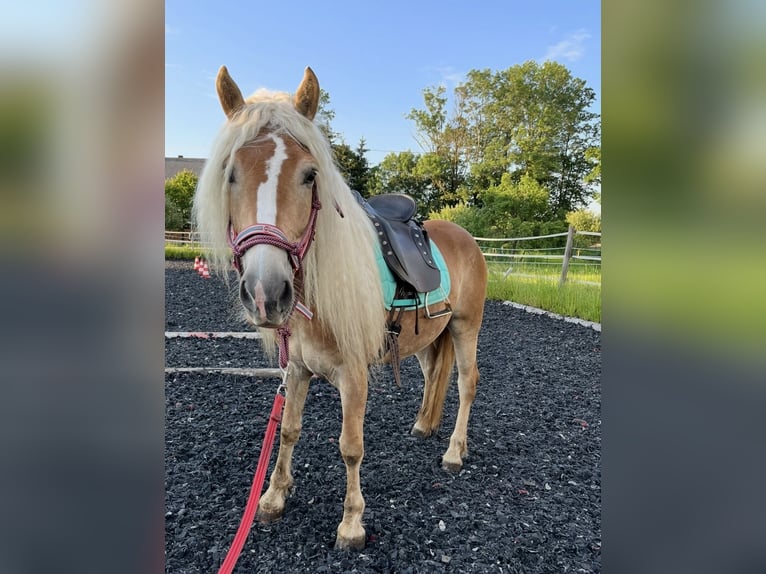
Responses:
[232,179]
[309,177]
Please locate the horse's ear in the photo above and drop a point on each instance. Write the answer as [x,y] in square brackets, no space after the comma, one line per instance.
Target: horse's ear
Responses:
[307,97]
[228,92]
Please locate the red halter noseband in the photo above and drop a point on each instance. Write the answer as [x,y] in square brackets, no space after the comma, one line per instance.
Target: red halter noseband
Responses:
[266,234]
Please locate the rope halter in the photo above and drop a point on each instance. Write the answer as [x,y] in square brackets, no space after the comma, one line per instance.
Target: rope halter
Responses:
[266,234]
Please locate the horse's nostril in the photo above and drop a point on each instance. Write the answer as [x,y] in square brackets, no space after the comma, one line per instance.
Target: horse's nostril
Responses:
[244,293]
[286,297]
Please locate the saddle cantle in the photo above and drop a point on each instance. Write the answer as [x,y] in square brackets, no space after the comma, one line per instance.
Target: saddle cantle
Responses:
[403,240]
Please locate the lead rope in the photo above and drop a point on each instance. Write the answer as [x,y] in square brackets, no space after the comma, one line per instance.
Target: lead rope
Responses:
[271,235]
[255,490]
[283,343]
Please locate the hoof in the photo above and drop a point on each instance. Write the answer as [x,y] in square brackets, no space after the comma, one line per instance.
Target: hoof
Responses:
[356,543]
[265,517]
[453,467]
[420,433]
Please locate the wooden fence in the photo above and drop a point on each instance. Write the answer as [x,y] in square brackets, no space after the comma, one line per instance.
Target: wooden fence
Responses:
[513,251]
[182,238]
[509,249]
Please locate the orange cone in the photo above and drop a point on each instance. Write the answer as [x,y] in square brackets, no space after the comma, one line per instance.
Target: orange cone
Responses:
[196,263]
[205,271]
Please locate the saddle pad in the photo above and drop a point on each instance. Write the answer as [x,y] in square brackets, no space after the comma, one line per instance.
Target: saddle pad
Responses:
[388,282]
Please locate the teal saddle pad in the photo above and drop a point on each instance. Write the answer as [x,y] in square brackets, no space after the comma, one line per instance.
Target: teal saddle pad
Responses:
[389,282]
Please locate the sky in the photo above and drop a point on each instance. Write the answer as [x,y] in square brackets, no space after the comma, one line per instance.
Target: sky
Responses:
[373,58]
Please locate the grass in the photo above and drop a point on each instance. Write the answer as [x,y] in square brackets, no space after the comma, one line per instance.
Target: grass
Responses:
[533,286]
[173,251]
[528,284]
[571,299]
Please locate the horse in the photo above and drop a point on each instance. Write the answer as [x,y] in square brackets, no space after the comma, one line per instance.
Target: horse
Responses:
[272,201]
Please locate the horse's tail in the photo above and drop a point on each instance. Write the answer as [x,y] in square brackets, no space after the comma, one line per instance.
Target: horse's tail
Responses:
[438,375]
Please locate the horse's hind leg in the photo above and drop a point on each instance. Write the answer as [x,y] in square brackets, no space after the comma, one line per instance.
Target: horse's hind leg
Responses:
[436,362]
[272,503]
[465,334]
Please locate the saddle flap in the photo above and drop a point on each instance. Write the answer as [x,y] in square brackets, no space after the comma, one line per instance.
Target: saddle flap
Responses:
[410,257]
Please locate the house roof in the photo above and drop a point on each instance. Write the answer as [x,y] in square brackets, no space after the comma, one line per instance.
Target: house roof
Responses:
[173,165]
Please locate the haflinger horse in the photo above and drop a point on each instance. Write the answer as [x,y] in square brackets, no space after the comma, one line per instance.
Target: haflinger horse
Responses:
[272,193]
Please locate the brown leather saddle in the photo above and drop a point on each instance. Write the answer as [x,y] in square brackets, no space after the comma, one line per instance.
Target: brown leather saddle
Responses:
[403,240]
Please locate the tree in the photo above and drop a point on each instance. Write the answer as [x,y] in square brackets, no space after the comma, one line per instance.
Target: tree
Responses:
[593,155]
[174,218]
[529,120]
[526,200]
[584,220]
[324,117]
[443,142]
[539,124]
[179,194]
[397,173]
[509,209]
[353,165]
[351,162]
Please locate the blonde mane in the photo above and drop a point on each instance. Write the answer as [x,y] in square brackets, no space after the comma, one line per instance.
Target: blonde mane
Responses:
[341,279]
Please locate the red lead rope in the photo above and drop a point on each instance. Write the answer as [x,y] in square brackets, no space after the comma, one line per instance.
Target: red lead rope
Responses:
[255,491]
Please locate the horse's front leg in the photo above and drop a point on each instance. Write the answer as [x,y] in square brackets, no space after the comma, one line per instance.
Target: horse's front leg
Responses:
[272,503]
[353,395]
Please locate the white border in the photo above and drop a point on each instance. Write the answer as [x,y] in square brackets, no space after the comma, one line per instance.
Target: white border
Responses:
[536,311]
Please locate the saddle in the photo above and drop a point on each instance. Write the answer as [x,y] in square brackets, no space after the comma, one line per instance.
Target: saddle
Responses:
[407,252]
[403,240]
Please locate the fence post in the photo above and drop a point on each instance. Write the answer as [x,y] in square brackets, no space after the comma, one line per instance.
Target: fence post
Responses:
[567,255]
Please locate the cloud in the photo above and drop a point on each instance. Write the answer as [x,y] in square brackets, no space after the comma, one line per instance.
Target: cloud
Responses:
[570,48]
[449,77]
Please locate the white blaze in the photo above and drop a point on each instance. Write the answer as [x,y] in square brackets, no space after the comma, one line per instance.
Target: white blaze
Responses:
[267,192]
[262,258]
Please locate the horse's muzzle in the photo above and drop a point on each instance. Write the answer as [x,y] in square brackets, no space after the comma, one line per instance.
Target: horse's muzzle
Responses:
[268,301]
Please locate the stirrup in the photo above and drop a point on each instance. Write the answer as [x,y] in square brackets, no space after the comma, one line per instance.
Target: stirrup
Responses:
[447,307]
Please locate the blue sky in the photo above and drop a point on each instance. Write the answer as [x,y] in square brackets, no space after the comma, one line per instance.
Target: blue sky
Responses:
[374,58]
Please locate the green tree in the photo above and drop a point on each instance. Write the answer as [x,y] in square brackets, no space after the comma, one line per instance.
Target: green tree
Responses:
[540,125]
[509,209]
[593,156]
[351,162]
[324,117]
[531,119]
[468,217]
[443,141]
[179,193]
[526,200]
[174,219]
[584,220]
[353,165]
[398,173]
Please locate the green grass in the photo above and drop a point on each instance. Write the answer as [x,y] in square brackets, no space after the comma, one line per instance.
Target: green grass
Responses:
[572,299]
[173,251]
